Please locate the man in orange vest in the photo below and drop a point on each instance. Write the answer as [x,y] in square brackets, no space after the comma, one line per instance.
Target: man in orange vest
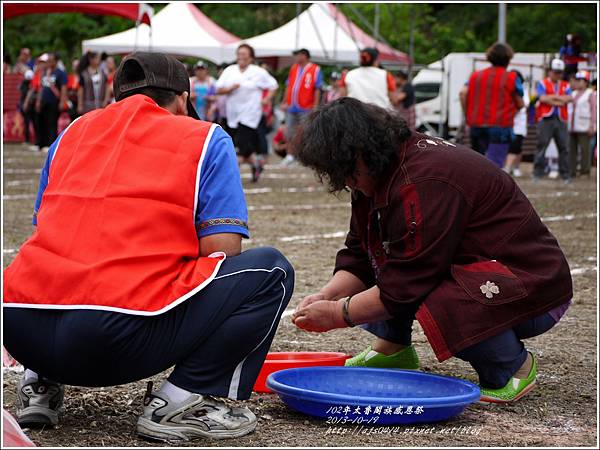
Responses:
[554,95]
[136,265]
[302,94]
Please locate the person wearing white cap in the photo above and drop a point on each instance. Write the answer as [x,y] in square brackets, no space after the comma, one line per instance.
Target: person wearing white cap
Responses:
[582,123]
[552,116]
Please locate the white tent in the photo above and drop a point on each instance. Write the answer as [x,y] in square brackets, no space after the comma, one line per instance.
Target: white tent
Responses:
[179,29]
[327,33]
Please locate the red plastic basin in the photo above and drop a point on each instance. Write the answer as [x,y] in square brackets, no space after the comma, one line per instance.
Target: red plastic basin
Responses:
[287,360]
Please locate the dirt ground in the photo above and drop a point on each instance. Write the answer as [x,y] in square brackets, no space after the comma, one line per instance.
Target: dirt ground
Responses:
[289,209]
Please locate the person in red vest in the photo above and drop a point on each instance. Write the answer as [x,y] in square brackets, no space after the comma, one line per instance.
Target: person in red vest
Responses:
[302,94]
[554,95]
[136,265]
[491,100]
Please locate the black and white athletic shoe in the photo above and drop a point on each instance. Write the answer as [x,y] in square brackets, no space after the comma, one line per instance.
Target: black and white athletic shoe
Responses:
[40,402]
[257,171]
[197,417]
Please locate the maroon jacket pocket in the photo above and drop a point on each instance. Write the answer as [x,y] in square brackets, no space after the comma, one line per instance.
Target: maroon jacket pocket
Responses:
[489,282]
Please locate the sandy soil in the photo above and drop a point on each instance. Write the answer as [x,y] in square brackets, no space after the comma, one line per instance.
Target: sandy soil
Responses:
[289,209]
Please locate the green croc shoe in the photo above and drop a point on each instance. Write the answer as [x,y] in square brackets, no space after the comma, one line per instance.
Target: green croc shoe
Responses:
[514,389]
[404,359]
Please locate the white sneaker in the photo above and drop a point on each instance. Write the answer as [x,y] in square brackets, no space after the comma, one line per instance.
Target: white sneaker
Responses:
[40,402]
[553,175]
[197,417]
[517,172]
[288,160]
[507,169]
[45,149]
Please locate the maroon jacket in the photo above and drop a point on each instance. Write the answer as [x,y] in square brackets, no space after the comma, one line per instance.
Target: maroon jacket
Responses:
[449,231]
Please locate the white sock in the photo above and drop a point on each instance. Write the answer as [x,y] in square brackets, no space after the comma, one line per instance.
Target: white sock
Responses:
[29,374]
[175,393]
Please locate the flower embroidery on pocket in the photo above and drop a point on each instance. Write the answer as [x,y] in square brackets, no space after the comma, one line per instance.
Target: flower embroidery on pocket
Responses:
[489,289]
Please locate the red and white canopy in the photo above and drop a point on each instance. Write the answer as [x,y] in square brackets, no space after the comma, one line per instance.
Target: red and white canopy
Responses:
[179,29]
[139,12]
[327,33]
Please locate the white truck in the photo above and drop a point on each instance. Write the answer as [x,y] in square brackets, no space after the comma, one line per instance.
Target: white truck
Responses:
[437,86]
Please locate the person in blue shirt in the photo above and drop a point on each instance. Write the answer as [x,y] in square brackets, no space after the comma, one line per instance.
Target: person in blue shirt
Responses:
[202,88]
[570,53]
[222,209]
[216,335]
[52,98]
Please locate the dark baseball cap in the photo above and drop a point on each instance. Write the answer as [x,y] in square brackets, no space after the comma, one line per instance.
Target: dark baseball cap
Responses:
[141,70]
[303,51]
[372,52]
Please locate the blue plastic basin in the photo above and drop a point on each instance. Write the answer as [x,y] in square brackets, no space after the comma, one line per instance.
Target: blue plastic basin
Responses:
[366,396]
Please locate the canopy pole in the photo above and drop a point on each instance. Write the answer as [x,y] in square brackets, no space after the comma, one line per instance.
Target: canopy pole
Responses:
[349,24]
[298,10]
[335,35]
[314,24]
[366,23]
[376,21]
[411,45]
[502,22]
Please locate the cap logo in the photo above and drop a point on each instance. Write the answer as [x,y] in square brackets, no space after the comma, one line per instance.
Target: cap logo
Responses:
[133,85]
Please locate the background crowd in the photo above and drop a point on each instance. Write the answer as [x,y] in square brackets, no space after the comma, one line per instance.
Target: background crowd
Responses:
[262,114]
[48,89]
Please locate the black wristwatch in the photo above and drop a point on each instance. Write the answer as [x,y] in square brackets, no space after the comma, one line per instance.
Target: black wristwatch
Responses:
[346,313]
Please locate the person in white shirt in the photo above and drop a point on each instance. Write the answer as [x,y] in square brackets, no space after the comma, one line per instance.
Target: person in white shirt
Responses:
[243,84]
[370,84]
[582,123]
[513,159]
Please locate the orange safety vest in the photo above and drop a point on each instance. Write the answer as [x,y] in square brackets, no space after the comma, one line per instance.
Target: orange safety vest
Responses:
[303,91]
[116,226]
[544,110]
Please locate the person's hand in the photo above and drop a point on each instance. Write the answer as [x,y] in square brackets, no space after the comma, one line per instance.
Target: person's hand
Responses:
[309,299]
[265,101]
[38,107]
[591,132]
[320,316]
[79,109]
[283,106]
[234,87]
